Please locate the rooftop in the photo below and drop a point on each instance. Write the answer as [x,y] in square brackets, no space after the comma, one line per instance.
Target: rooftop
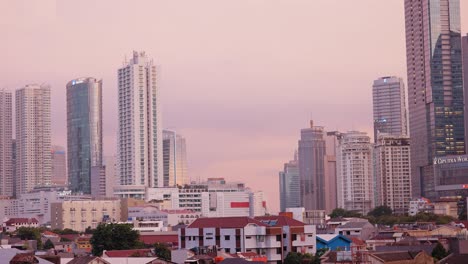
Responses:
[279,220]
[224,222]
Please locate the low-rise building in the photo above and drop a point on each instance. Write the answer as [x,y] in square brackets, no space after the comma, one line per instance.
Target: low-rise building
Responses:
[420,205]
[333,242]
[362,230]
[169,217]
[12,224]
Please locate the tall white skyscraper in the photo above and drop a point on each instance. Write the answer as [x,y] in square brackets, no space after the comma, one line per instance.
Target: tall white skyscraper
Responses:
[33,139]
[389,104]
[140,137]
[175,159]
[355,184]
[6,149]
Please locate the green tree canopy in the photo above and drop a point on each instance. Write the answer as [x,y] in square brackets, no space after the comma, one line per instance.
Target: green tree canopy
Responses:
[439,252]
[162,251]
[380,211]
[114,237]
[30,233]
[48,244]
[340,212]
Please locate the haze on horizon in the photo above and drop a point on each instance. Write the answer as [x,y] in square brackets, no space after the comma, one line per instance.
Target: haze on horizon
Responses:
[238,79]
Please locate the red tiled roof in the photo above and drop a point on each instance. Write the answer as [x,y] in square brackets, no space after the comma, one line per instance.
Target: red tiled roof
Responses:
[128,253]
[356,241]
[224,222]
[21,221]
[49,233]
[152,239]
[70,237]
[281,220]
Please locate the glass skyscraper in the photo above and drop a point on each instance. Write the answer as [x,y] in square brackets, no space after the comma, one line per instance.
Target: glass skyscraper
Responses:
[435,87]
[84,131]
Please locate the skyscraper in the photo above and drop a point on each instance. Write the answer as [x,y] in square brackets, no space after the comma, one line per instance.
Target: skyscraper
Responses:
[389,103]
[174,159]
[392,172]
[331,144]
[140,136]
[84,131]
[435,87]
[6,148]
[311,167]
[289,185]
[355,184]
[465,84]
[59,166]
[33,139]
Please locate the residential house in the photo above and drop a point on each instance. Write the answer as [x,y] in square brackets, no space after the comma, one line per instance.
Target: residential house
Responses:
[333,242]
[362,230]
[12,224]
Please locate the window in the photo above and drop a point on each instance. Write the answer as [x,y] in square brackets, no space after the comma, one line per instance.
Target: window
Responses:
[278,251]
[294,237]
[278,237]
[248,237]
[227,237]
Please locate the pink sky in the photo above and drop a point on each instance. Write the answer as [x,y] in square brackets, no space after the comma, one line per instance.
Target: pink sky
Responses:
[238,79]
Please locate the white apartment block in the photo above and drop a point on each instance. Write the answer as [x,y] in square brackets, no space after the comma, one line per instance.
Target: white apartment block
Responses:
[168,217]
[271,236]
[33,139]
[6,147]
[393,172]
[79,215]
[355,184]
[140,137]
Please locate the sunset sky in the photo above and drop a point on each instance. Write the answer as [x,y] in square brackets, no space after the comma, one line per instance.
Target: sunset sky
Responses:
[238,79]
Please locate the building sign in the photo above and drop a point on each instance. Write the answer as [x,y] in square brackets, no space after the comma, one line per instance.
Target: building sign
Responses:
[450,159]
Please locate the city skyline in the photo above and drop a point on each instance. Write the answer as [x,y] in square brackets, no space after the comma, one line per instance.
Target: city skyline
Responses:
[242,126]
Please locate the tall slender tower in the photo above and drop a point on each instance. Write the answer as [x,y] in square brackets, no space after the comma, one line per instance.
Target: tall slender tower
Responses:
[435,87]
[311,167]
[290,185]
[59,166]
[389,104]
[33,140]
[84,131]
[140,137]
[6,149]
[174,159]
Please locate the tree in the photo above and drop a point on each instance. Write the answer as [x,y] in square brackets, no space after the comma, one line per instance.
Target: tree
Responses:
[340,212]
[30,233]
[48,244]
[114,237]
[293,258]
[380,211]
[162,251]
[439,252]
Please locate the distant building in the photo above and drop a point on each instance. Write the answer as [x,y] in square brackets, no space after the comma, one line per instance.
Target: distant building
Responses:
[112,176]
[420,205]
[289,185]
[331,145]
[6,136]
[450,176]
[174,159]
[84,131]
[389,104]
[355,184]
[33,138]
[392,172]
[311,167]
[59,166]
[169,217]
[12,224]
[98,181]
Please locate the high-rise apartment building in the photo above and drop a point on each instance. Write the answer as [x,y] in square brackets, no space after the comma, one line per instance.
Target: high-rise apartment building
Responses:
[331,144]
[59,166]
[354,161]
[84,131]
[289,185]
[140,136]
[6,148]
[389,104]
[465,84]
[435,87]
[112,176]
[33,139]
[392,172]
[174,159]
[311,167]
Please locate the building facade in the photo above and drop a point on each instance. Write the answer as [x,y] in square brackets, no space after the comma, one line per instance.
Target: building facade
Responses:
[33,139]
[174,159]
[392,172]
[140,137]
[6,148]
[355,184]
[389,105]
[331,144]
[59,166]
[435,87]
[84,131]
[465,83]
[311,167]
[289,185]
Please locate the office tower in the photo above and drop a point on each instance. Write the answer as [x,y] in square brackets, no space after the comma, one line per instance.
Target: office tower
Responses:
[6,150]
[311,167]
[355,185]
[112,178]
[435,87]
[289,185]
[33,139]
[140,136]
[59,166]
[392,172]
[389,104]
[465,84]
[98,181]
[84,131]
[331,143]
[174,159]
